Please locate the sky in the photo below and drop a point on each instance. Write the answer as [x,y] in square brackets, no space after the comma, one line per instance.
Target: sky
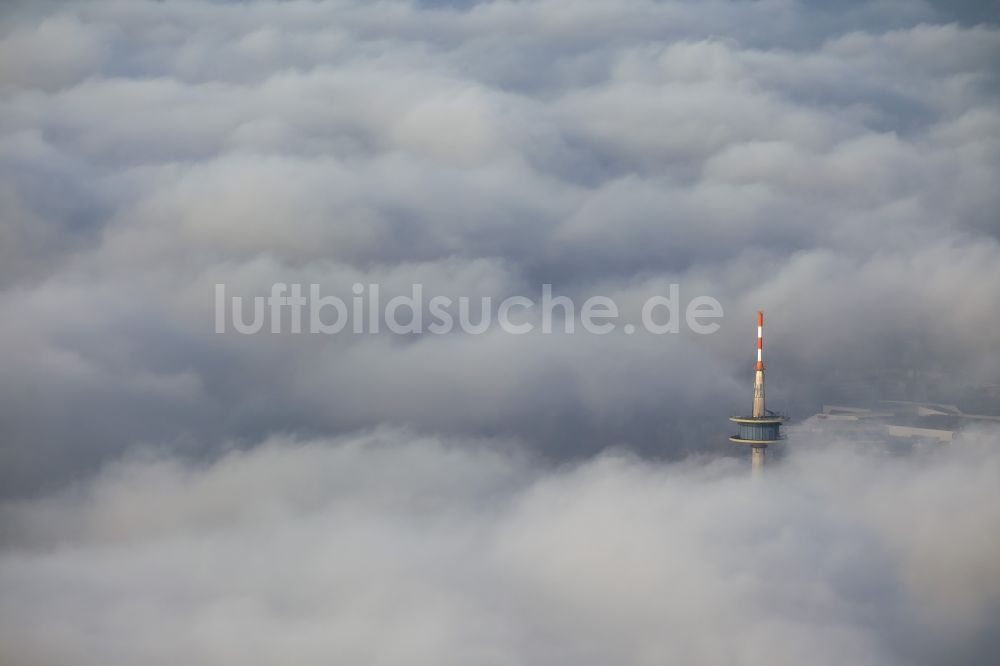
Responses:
[833,164]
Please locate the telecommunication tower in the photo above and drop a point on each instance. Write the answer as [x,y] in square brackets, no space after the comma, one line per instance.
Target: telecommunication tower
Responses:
[763,426]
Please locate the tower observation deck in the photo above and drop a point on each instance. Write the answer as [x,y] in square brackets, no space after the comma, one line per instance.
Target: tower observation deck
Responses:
[762,427]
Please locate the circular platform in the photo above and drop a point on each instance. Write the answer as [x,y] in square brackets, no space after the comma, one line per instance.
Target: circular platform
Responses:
[759,430]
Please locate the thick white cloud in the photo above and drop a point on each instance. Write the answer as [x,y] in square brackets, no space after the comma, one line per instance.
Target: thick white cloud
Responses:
[386,549]
[836,167]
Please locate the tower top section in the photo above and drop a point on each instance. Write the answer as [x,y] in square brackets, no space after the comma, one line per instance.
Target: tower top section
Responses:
[760,340]
[762,427]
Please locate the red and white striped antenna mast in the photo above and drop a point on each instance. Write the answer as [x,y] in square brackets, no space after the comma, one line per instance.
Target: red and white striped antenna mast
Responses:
[758,375]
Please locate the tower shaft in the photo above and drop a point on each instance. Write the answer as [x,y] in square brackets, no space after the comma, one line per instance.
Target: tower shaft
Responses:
[758,394]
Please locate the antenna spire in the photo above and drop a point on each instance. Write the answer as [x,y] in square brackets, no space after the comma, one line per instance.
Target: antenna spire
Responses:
[758,375]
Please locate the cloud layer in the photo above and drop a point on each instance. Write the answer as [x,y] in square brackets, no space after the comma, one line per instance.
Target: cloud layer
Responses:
[835,168]
[170,495]
[387,549]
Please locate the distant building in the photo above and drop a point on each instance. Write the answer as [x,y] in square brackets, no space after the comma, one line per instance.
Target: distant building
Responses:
[897,419]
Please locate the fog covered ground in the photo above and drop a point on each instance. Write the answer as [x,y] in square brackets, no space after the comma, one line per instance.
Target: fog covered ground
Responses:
[172,495]
[390,549]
